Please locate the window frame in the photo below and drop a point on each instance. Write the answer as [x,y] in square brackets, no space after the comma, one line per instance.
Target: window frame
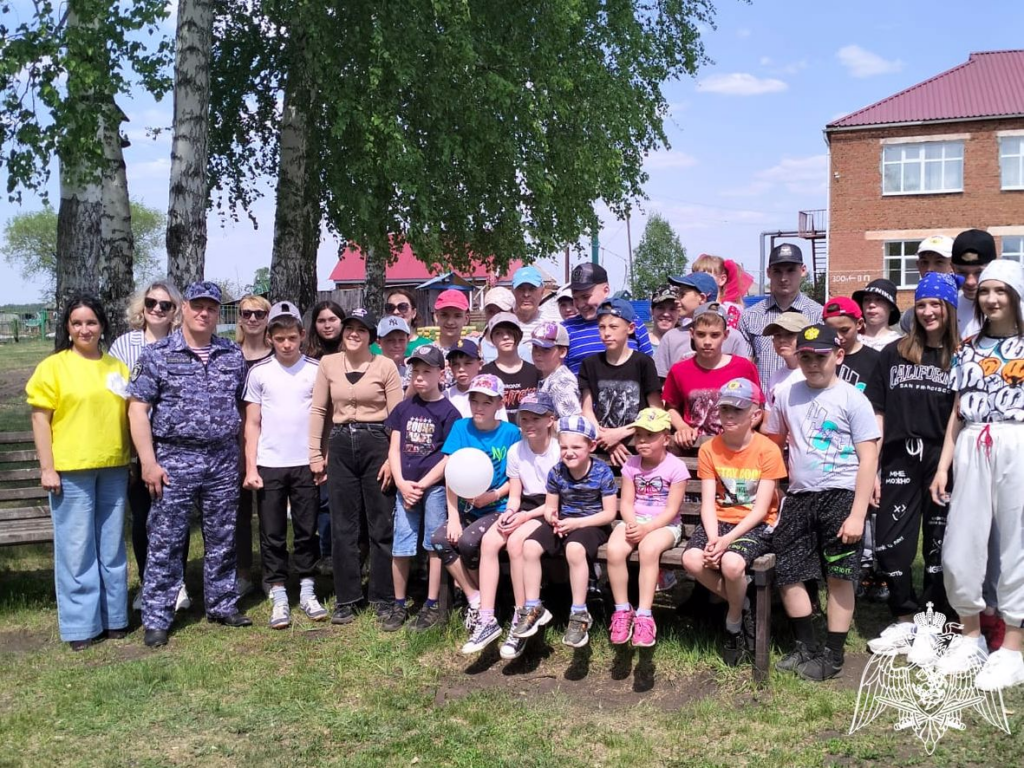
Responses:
[907,259]
[1019,155]
[1015,255]
[922,163]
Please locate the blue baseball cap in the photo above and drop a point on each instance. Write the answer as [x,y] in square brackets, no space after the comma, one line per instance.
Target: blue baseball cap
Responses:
[578,425]
[739,393]
[465,347]
[618,308]
[527,276]
[540,403]
[701,281]
[203,289]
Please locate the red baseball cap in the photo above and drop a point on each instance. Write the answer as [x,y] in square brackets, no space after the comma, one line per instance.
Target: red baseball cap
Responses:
[452,298]
[842,306]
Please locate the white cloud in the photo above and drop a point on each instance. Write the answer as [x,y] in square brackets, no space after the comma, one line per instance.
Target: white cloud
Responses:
[743,33]
[740,84]
[668,159]
[863,63]
[796,175]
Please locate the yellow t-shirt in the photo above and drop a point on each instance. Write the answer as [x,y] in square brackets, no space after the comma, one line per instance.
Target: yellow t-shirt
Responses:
[90,412]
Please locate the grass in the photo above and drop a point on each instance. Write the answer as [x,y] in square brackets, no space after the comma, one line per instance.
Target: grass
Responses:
[354,696]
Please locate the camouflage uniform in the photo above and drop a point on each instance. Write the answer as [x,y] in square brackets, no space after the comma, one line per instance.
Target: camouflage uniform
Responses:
[195,422]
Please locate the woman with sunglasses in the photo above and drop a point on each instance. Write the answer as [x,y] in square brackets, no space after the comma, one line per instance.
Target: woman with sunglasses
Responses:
[251,335]
[402,302]
[153,313]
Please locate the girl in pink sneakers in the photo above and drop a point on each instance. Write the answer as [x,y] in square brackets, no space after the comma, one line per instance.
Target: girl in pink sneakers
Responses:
[653,485]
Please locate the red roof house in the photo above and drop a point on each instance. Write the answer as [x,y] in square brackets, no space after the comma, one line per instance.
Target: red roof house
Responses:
[407,270]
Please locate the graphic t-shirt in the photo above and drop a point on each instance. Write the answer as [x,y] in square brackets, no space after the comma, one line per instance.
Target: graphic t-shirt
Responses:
[693,391]
[517,385]
[495,443]
[583,497]
[652,485]
[989,375]
[564,389]
[823,426]
[284,395]
[618,392]
[424,427]
[915,399]
[737,475]
[532,469]
[858,368]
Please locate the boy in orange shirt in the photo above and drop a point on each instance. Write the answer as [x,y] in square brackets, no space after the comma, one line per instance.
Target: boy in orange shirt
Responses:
[739,470]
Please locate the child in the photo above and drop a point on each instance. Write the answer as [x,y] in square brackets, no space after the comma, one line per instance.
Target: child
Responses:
[859,360]
[464,366]
[983,443]
[419,428]
[733,283]
[738,470]
[664,312]
[653,485]
[691,292]
[278,395]
[784,332]
[529,463]
[878,304]
[393,337]
[832,436]
[457,542]
[499,300]
[451,313]
[580,504]
[550,345]
[519,377]
[692,386]
[618,383]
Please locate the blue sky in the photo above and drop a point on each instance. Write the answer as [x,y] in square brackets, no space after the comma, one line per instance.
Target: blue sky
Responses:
[747,148]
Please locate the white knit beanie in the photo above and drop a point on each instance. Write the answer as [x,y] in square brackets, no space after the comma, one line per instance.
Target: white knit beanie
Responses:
[1006,271]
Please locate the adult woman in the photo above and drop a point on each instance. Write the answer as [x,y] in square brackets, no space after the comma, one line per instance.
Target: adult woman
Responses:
[251,335]
[153,312]
[80,426]
[359,389]
[402,302]
[912,394]
[323,336]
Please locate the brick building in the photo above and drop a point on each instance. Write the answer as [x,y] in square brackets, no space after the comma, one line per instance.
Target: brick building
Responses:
[942,156]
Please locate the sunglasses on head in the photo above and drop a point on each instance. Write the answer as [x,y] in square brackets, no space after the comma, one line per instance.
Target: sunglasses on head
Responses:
[165,306]
[259,314]
[400,307]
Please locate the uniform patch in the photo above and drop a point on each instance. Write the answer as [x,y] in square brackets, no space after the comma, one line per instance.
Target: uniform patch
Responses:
[136,370]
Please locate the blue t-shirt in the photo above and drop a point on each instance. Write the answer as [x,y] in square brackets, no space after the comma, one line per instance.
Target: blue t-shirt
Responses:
[583,497]
[423,428]
[495,444]
[585,340]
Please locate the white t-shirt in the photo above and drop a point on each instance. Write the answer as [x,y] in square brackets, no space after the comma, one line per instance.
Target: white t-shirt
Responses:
[461,402]
[783,376]
[969,326]
[285,396]
[531,468]
[880,341]
[823,427]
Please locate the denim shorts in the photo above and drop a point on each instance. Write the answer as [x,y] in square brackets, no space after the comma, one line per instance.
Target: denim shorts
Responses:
[419,520]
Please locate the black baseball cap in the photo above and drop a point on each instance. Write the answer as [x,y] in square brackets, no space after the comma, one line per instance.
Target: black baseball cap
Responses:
[429,354]
[884,288]
[365,318]
[974,248]
[787,253]
[817,338]
[586,276]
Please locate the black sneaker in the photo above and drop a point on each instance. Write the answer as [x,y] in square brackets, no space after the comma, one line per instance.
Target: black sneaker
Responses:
[734,648]
[530,620]
[395,619]
[878,592]
[749,629]
[796,657]
[825,665]
[343,614]
[427,618]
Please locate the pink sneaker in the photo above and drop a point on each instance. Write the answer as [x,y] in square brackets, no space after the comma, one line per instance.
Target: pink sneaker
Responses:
[622,627]
[644,631]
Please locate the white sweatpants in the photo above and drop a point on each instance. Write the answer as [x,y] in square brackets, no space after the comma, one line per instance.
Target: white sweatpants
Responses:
[988,498]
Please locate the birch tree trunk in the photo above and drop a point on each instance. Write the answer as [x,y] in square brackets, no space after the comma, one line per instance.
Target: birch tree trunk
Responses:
[116,265]
[186,213]
[376,274]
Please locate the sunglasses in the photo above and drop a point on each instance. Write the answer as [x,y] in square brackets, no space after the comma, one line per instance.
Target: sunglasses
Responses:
[259,314]
[165,306]
[401,307]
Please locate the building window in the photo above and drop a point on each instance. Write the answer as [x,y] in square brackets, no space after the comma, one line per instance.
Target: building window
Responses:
[1013,248]
[901,262]
[1011,161]
[923,167]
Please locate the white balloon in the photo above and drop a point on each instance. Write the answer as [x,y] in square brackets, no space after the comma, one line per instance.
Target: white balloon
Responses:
[468,472]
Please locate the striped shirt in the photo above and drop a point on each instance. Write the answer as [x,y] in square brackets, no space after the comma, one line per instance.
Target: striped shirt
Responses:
[585,340]
[128,347]
[203,353]
[754,320]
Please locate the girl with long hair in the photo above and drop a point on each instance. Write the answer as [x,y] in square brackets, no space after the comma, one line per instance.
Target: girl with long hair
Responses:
[323,334]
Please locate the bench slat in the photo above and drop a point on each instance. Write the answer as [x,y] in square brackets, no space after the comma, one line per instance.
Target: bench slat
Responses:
[11,438]
[13,494]
[41,532]
[12,516]
[18,475]
[9,457]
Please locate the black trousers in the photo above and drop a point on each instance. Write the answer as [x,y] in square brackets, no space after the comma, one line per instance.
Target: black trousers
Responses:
[354,459]
[243,531]
[906,511]
[140,501]
[281,486]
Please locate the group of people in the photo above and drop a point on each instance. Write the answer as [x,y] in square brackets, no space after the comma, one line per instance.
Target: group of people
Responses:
[863,415]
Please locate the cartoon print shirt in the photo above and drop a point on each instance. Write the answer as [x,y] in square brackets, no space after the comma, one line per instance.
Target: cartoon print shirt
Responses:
[989,375]
[693,391]
[652,485]
[823,427]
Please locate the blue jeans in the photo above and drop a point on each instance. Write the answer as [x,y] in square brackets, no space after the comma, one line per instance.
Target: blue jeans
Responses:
[90,562]
[419,520]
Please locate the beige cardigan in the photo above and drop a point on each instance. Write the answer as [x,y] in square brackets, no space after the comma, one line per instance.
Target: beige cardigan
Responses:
[370,399]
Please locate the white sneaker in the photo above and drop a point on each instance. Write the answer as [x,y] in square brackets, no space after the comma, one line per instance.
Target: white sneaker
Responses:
[1003,669]
[925,650]
[313,609]
[137,602]
[280,615]
[895,639]
[182,602]
[965,654]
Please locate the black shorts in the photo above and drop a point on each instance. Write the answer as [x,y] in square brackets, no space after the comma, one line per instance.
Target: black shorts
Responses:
[467,548]
[590,538]
[805,541]
[750,546]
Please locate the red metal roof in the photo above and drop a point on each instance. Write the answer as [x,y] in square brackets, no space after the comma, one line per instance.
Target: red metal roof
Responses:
[351,268]
[988,84]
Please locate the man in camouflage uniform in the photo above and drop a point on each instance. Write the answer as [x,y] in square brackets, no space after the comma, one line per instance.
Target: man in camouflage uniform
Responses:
[185,422]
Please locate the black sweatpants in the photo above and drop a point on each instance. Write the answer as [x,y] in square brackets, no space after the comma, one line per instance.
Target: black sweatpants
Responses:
[282,485]
[907,510]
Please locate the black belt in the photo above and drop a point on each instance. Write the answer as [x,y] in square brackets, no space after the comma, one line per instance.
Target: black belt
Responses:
[354,425]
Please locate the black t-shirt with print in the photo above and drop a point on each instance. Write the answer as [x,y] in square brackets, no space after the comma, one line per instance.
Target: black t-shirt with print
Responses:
[517,385]
[618,392]
[916,400]
[858,368]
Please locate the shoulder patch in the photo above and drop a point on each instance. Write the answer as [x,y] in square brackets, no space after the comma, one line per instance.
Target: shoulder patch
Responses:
[136,370]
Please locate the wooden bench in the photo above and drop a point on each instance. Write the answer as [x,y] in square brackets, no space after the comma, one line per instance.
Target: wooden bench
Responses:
[24,509]
[762,572]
